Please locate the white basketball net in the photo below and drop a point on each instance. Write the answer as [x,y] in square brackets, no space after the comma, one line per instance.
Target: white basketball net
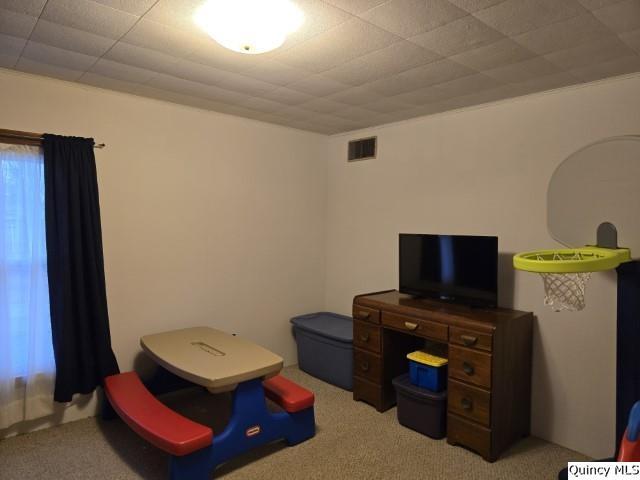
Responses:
[565,291]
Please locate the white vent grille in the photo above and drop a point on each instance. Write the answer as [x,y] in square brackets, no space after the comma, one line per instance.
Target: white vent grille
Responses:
[362,149]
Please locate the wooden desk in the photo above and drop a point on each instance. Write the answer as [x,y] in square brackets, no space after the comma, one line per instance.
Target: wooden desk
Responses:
[489,372]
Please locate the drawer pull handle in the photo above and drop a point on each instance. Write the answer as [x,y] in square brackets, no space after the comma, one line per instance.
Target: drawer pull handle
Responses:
[469,340]
[467,404]
[364,337]
[364,366]
[363,315]
[411,325]
[468,368]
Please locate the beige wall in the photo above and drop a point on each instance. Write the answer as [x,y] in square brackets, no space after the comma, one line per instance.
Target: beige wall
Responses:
[212,219]
[207,219]
[485,171]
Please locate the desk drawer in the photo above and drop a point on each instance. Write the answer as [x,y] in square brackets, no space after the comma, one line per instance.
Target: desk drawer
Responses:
[416,326]
[366,336]
[471,339]
[470,402]
[366,314]
[367,365]
[469,434]
[470,366]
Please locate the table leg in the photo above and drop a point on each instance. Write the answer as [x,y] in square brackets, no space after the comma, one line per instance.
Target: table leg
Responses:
[251,425]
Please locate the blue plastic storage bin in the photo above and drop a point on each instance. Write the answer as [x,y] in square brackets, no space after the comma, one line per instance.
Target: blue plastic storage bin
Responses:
[325,347]
[427,371]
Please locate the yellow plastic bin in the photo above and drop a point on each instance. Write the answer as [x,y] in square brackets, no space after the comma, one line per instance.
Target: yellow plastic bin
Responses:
[427,370]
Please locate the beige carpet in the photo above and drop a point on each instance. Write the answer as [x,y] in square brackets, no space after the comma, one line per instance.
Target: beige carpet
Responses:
[353,441]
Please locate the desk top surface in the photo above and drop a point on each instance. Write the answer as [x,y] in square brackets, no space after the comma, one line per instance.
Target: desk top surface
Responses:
[210,357]
[437,310]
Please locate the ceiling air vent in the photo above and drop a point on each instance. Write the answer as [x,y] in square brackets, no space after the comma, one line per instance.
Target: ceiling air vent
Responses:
[362,149]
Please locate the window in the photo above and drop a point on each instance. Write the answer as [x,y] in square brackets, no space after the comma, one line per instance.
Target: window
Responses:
[26,349]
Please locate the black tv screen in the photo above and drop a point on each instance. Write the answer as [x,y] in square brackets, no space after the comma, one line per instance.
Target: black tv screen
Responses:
[456,268]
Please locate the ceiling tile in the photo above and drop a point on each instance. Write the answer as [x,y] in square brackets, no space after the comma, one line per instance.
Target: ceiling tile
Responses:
[619,66]
[261,104]
[503,52]
[16,24]
[39,52]
[136,7]
[596,4]
[356,114]
[195,89]
[156,36]
[340,124]
[513,17]
[474,5]
[485,96]
[317,85]
[355,96]
[89,16]
[243,84]
[27,7]
[385,62]
[205,50]
[408,18]
[296,113]
[548,82]
[175,13]
[323,105]
[120,71]
[197,72]
[590,53]
[69,38]
[420,77]
[386,105]
[620,17]
[523,71]
[221,78]
[277,73]
[632,39]
[420,96]
[337,45]
[110,83]
[458,36]
[48,70]
[467,85]
[355,6]
[287,96]
[10,50]
[564,34]
[319,17]
[123,52]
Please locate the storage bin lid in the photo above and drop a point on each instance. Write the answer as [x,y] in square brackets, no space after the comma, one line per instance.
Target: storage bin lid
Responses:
[403,385]
[425,358]
[327,324]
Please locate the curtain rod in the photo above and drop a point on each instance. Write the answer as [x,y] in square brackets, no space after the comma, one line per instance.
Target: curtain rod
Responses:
[30,137]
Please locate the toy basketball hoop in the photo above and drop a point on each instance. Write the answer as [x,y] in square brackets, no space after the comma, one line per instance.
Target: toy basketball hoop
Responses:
[565,272]
[592,191]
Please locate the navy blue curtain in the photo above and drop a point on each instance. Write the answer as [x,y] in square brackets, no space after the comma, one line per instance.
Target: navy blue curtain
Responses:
[75,267]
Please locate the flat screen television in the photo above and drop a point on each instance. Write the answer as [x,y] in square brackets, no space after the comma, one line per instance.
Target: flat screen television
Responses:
[456,268]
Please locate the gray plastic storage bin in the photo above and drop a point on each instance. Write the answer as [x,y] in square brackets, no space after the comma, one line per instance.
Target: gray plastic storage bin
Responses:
[325,347]
[420,409]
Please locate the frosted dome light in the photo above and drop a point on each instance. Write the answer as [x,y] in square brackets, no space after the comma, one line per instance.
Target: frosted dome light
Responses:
[249,26]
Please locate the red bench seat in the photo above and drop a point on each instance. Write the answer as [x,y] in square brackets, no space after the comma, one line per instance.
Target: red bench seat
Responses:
[151,419]
[289,395]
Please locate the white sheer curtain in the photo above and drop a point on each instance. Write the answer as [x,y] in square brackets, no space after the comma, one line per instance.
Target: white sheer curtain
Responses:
[27,366]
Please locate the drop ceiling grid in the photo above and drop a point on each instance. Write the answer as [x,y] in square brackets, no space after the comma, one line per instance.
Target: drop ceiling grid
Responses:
[355,63]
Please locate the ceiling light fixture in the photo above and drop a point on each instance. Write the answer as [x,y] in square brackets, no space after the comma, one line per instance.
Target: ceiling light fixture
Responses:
[249,26]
